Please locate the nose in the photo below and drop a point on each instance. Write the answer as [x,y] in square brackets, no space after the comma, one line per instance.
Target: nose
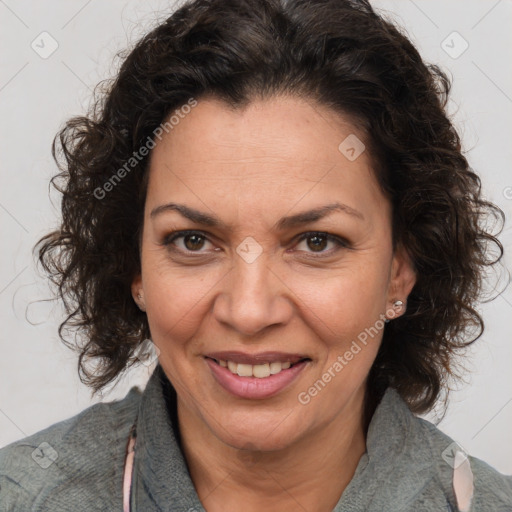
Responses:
[253,297]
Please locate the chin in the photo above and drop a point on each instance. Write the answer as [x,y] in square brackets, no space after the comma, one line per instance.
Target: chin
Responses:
[257,437]
[258,443]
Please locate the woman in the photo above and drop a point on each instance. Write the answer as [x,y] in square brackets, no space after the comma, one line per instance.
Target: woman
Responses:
[270,192]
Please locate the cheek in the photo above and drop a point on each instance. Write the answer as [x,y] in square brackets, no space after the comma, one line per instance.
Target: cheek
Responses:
[176,307]
[173,311]
[176,300]
[342,304]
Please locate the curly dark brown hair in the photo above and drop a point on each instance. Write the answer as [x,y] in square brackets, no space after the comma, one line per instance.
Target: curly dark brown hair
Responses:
[339,53]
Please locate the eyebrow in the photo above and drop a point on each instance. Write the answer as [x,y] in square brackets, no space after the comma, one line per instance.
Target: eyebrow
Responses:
[290,221]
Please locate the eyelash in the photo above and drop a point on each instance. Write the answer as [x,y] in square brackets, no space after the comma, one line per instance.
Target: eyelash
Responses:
[340,242]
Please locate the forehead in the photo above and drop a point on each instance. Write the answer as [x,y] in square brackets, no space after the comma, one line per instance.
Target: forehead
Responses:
[275,152]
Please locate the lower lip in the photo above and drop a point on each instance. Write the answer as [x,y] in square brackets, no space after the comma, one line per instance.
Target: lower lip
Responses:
[253,387]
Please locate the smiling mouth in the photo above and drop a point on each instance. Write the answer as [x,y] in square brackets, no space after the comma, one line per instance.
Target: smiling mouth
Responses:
[260,371]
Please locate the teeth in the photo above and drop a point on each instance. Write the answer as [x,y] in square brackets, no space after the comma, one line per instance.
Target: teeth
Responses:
[260,371]
[275,367]
[244,370]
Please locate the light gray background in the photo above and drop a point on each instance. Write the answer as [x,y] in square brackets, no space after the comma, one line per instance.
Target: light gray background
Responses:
[38,379]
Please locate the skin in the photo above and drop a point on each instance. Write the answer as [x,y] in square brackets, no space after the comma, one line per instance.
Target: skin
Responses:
[250,168]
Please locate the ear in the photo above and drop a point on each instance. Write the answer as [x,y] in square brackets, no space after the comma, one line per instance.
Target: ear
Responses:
[402,279]
[138,292]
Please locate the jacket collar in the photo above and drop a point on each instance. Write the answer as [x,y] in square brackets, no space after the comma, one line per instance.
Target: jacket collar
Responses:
[399,452]
[161,481]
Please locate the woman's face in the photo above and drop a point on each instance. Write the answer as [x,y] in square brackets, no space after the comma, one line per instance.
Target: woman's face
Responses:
[251,282]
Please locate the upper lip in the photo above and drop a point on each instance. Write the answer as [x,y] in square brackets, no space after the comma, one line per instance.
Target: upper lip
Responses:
[259,358]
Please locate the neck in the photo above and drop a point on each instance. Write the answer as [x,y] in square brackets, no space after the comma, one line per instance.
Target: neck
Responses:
[309,475]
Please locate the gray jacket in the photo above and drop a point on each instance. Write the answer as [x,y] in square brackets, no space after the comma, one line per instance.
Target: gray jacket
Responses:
[77,464]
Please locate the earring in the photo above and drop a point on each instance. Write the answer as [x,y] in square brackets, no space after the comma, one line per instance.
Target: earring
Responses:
[396,304]
[140,303]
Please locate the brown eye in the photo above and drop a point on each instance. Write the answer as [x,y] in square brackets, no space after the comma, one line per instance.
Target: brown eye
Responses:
[193,242]
[316,242]
[187,241]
